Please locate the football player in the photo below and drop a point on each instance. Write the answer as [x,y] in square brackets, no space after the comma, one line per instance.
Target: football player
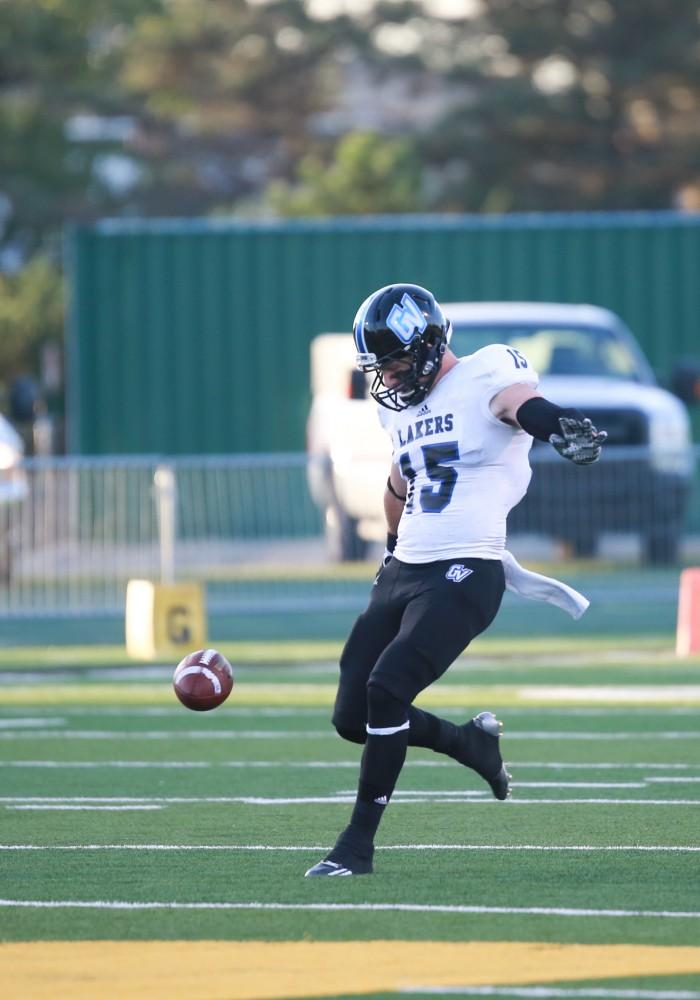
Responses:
[461,430]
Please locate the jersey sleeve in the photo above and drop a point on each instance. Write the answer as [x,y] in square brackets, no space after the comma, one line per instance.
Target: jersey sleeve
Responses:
[501,366]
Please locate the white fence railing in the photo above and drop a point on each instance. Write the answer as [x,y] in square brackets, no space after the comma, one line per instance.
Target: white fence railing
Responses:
[83,527]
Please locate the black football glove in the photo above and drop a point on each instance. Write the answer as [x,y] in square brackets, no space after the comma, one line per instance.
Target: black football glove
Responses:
[579,441]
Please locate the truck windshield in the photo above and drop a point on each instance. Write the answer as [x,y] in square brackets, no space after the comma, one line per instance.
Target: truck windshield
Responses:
[564,350]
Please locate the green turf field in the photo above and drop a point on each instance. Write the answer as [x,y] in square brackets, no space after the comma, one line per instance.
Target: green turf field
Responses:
[126,818]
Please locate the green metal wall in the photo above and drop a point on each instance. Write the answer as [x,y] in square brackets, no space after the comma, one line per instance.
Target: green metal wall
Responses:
[192,336]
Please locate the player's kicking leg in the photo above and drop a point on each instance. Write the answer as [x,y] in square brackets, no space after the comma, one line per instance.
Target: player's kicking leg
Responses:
[476,744]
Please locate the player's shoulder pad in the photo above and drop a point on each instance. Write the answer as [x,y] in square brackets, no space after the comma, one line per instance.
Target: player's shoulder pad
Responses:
[501,356]
[500,365]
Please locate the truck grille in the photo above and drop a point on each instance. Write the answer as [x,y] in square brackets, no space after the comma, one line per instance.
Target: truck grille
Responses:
[624,427]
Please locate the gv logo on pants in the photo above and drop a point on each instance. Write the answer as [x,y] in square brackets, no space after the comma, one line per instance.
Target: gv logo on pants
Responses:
[457,572]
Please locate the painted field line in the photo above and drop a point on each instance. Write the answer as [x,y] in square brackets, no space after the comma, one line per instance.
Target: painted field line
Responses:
[579,784]
[461,798]
[279,734]
[330,764]
[543,911]
[18,723]
[543,848]
[236,711]
[175,734]
[88,808]
[451,798]
[109,763]
[532,784]
[545,992]
[685,780]
[637,693]
[329,733]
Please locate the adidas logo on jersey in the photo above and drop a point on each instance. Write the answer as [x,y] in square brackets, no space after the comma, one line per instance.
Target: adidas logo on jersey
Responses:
[457,573]
[423,410]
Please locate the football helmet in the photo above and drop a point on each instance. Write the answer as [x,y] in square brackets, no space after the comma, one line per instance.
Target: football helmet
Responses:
[401,323]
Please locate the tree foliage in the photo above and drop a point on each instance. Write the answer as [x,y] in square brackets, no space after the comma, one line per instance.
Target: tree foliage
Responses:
[31,314]
[178,107]
[576,104]
[368,175]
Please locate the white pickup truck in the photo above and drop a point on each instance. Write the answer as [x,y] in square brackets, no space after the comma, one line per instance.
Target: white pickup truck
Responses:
[587,358]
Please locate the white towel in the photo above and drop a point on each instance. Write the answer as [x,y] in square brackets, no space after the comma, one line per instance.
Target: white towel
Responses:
[542,588]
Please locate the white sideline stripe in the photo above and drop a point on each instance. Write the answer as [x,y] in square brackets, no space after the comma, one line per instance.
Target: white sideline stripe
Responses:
[603,765]
[28,723]
[686,780]
[106,763]
[579,784]
[544,992]
[272,734]
[463,798]
[236,711]
[170,734]
[523,784]
[88,808]
[587,848]
[545,911]
[329,764]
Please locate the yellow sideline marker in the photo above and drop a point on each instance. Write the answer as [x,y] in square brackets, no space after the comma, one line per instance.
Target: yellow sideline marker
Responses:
[267,970]
[164,619]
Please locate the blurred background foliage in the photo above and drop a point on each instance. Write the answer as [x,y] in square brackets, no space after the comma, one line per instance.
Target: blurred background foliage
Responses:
[330,107]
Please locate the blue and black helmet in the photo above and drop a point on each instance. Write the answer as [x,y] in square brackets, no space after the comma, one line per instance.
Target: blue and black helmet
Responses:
[401,323]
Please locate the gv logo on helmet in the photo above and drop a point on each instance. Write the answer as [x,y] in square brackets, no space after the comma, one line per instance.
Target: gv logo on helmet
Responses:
[406,319]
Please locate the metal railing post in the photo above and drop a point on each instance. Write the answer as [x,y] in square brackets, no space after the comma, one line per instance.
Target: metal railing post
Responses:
[166,496]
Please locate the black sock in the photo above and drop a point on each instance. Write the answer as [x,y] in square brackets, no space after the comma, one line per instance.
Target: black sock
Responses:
[429,731]
[382,760]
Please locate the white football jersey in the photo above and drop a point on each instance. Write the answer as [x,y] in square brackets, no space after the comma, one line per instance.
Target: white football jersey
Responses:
[464,468]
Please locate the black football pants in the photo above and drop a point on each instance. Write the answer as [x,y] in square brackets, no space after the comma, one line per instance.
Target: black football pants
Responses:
[419,619]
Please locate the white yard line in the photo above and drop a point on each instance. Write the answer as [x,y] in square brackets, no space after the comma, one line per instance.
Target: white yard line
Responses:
[108,763]
[293,711]
[275,734]
[543,911]
[463,798]
[585,848]
[330,764]
[44,808]
[171,734]
[28,723]
[623,693]
[278,734]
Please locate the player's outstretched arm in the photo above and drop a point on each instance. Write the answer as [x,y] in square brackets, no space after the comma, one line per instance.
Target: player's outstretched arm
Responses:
[568,431]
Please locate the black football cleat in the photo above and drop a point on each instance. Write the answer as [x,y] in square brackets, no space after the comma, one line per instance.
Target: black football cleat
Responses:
[345,863]
[477,747]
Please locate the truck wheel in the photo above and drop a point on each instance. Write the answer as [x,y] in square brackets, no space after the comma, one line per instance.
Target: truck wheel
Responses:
[661,547]
[342,540]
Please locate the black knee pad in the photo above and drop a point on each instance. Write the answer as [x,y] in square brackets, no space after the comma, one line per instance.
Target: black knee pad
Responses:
[384,709]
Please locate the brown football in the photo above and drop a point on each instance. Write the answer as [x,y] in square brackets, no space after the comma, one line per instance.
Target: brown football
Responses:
[203,680]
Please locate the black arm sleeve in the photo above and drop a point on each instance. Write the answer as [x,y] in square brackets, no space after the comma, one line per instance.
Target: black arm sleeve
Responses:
[540,418]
